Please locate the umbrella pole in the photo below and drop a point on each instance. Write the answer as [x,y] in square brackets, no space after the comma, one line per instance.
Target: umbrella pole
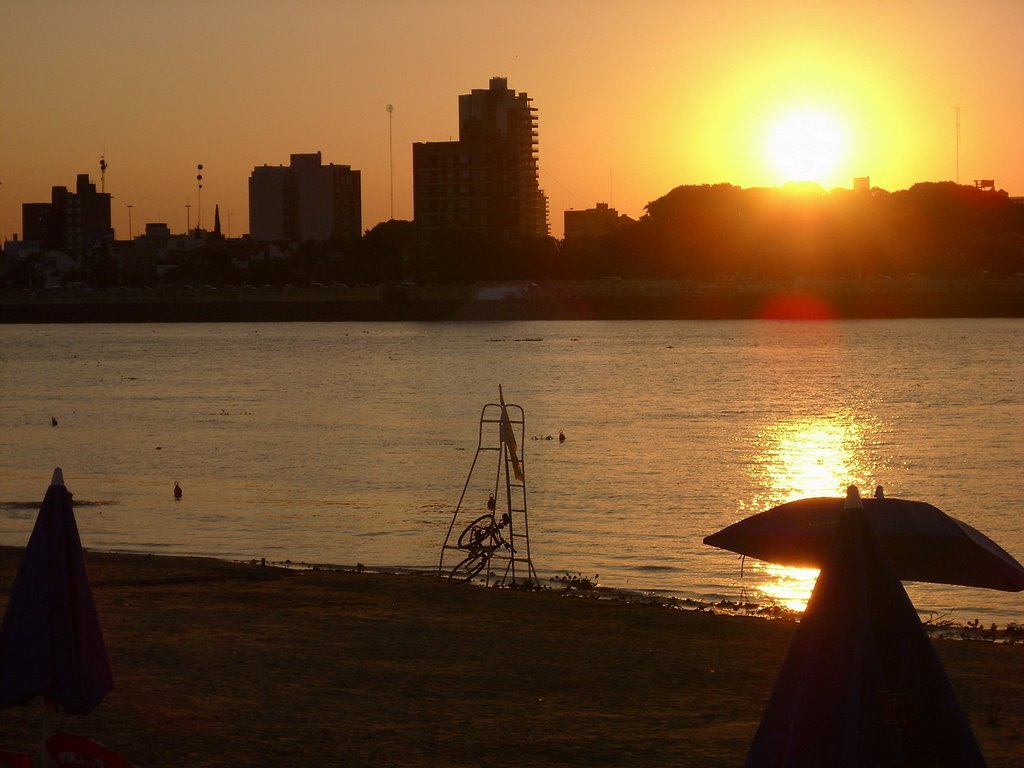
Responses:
[44,754]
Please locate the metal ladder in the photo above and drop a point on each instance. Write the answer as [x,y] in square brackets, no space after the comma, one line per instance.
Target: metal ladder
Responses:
[492,544]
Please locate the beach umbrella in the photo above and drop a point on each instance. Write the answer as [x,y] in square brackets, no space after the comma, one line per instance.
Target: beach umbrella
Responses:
[921,541]
[861,684]
[50,641]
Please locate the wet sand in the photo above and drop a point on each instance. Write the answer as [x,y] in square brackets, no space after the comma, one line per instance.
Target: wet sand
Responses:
[228,664]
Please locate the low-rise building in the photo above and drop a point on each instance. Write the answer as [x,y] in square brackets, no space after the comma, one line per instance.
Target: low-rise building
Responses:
[305,200]
[592,223]
[77,223]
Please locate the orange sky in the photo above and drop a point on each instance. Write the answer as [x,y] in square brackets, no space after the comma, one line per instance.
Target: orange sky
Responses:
[633,99]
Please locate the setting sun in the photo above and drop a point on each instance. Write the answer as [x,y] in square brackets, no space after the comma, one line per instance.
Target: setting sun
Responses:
[806,144]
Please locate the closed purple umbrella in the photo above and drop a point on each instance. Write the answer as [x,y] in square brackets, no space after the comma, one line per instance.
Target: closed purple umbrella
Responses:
[51,644]
[861,684]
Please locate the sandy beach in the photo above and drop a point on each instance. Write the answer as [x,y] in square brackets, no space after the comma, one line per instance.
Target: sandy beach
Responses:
[229,664]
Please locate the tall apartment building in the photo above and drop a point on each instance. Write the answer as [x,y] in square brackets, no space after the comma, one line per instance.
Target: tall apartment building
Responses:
[305,200]
[486,182]
[76,223]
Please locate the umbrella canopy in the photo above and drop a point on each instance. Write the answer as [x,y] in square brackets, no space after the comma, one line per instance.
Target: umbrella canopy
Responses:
[922,542]
[50,642]
[861,684]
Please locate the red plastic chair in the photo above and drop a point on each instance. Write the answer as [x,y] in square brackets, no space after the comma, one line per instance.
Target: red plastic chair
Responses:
[10,759]
[66,749]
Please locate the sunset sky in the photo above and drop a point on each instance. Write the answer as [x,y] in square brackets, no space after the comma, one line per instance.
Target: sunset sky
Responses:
[633,98]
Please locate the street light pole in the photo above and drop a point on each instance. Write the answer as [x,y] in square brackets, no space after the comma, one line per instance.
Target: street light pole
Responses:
[129,222]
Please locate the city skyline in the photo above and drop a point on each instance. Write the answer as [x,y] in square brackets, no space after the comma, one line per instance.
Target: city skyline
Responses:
[630,103]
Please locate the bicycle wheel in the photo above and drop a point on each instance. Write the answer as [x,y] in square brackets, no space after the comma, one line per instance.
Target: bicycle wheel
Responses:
[470,566]
[477,532]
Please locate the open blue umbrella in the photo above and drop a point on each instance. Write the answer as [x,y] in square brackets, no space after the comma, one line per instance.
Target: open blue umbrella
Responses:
[50,642]
[922,542]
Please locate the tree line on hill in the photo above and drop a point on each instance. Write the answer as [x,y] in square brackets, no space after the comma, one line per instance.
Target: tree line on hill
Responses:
[723,231]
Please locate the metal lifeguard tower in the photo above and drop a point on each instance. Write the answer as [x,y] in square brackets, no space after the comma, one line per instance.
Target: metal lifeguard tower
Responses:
[489,535]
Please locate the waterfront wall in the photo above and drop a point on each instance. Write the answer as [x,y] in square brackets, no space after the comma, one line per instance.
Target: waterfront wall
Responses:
[609,299]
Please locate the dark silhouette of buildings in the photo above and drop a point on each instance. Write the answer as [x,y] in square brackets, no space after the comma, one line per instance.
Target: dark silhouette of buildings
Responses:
[76,223]
[305,200]
[593,223]
[485,184]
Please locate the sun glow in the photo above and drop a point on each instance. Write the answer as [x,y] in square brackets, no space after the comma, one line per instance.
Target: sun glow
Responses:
[806,145]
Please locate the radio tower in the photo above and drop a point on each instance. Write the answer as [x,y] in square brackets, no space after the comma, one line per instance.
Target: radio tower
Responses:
[103,174]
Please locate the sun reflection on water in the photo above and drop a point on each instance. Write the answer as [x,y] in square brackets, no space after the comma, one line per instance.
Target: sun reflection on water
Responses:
[809,458]
[797,459]
[789,587]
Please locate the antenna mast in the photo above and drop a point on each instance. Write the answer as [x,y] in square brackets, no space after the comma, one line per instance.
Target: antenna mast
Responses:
[958,144]
[103,174]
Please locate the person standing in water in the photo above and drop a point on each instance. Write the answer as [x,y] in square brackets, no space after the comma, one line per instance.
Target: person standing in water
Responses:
[177,490]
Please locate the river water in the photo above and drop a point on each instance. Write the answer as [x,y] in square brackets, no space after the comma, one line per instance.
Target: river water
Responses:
[349,443]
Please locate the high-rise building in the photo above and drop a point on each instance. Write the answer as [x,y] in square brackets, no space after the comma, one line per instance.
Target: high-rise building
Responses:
[486,182]
[76,223]
[305,200]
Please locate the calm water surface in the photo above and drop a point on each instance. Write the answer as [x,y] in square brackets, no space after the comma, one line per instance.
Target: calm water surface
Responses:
[351,442]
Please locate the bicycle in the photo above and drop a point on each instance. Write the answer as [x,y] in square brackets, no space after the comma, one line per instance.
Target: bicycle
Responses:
[481,539]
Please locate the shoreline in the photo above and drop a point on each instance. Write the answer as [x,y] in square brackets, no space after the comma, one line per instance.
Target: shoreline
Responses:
[221,663]
[579,588]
